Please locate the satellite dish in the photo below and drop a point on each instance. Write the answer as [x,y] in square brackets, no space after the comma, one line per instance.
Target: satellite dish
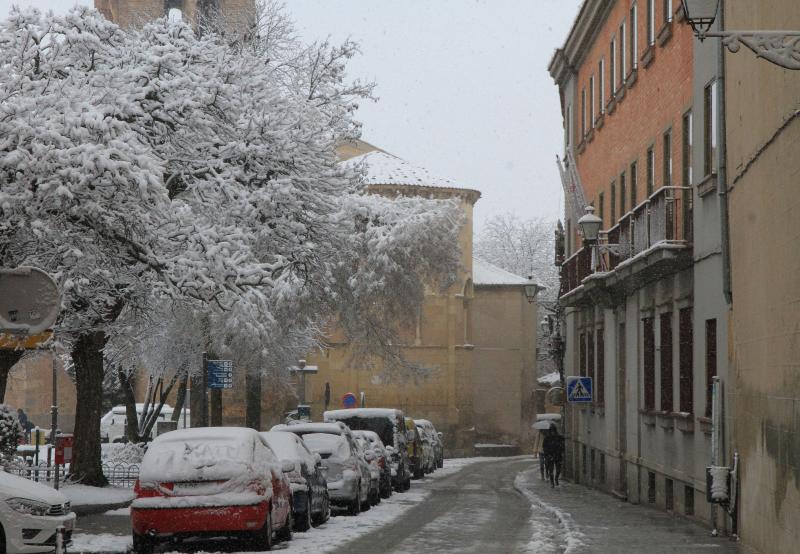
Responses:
[29,301]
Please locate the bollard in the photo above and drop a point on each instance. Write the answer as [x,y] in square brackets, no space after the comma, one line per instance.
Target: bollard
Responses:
[60,540]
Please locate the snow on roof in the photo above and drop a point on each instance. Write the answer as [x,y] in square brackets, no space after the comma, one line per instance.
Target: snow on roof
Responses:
[302,428]
[484,273]
[362,412]
[386,169]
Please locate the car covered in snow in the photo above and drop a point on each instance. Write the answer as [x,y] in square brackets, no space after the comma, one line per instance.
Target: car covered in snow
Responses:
[428,459]
[389,425]
[369,456]
[348,473]
[210,482]
[381,461]
[31,515]
[112,424]
[436,440]
[310,503]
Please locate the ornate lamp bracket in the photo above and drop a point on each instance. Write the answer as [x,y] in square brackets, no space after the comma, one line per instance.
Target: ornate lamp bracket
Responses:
[779,47]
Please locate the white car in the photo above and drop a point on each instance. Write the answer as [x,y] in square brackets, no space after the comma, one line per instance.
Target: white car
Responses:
[31,514]
[112,424]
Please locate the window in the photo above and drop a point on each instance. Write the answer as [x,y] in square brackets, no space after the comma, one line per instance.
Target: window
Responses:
[622,72]
[669,495]
[590,354]
[568,235]
[685,358]
[582,360]
[612,56]
[688,500]
[591,462]
[686,150]
[602,468]
[583,112]
[601,74]
[622,211]
[667,11]
[634,179]
[591,101]
[667,161]
[633,41]
[710,128]
[649,364]
[651,487]
[651,170]
[666,362]
[651,22]
[602,204]
[711,360]
[567,126]
[600,376]
[613,204]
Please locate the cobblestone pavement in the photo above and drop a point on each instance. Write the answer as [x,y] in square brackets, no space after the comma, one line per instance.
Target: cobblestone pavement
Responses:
[594,522]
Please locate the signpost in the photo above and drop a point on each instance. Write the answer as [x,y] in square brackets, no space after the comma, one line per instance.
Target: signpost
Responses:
[579,390]
[349,400]
[220,374]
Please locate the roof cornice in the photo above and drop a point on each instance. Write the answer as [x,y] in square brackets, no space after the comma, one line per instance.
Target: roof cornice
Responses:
[584,30]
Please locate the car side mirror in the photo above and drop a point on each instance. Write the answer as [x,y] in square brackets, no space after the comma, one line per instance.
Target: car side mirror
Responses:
[390,449]
[288,466]
[369,456]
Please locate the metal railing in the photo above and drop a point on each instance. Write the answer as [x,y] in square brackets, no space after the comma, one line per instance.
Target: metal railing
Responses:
[118,475]
[664,218]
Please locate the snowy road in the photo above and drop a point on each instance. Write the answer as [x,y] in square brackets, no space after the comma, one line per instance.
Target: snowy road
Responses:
[475,505]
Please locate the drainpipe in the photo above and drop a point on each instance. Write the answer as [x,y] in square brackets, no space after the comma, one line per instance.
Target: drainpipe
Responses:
[722,184]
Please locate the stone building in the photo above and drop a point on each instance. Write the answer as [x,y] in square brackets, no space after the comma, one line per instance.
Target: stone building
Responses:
[134,12]
[763,172]
[478,337]
[644,316]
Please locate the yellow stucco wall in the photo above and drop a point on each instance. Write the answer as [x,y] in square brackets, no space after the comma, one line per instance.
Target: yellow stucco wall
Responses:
[764,172]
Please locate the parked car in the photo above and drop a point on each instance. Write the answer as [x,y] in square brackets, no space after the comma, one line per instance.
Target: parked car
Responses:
[436,439]
[31,514]
[369,456]
[415,454]
[389,425]
[428,460]
[348,473]
[112,424]
[382,460]
[211,481]
[310,502]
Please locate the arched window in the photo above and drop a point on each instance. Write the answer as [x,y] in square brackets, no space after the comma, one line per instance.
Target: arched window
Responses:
[175,15]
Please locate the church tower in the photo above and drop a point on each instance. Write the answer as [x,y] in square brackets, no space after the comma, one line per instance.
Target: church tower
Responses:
[134,12]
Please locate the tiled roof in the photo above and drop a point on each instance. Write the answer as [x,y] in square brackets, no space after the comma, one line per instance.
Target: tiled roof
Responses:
[484,273]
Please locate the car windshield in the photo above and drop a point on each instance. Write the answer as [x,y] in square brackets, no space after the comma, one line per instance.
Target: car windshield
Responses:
[382,426]
[327,445]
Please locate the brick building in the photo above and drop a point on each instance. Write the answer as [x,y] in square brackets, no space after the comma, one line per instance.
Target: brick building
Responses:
[644,316]
[133,12]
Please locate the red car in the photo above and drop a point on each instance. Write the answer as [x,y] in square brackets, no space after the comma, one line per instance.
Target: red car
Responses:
[210,482]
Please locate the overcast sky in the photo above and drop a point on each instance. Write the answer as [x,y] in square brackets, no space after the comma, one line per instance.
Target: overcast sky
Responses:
[462,84]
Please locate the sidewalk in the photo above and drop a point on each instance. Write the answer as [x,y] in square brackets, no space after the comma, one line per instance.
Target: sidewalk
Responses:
[594,522]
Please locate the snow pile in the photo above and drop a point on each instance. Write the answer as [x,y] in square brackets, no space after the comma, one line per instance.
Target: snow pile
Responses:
[84,495]
[123,453]
[719,482]
[551,379]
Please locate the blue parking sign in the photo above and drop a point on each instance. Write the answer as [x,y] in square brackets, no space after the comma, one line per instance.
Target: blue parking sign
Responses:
[220,374]
[579,390]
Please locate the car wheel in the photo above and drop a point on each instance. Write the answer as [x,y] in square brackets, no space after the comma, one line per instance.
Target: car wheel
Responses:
[418,474]
[263,537]
[374,497]
[355,506]
[141,544]
[440,463]
[284,534]
[302,520]
[325,513]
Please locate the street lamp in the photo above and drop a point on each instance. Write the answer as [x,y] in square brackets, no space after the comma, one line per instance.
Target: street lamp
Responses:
[532,289]
[590,225]
[779,47]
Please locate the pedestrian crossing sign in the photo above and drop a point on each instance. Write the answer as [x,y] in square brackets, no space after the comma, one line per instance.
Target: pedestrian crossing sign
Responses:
[579,389]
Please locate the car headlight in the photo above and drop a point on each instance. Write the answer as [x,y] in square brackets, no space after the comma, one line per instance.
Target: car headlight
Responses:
[30,507]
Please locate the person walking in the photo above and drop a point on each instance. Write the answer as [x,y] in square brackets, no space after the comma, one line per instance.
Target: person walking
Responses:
[553,447]
[24,423]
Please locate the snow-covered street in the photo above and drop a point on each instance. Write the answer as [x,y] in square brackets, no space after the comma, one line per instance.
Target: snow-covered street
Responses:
[478,505]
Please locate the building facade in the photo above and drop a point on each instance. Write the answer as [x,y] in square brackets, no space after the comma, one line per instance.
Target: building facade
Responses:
[644,312]
[763,172]
[127,13]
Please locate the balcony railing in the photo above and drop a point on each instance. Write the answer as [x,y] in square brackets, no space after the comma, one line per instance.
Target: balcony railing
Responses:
[664,218]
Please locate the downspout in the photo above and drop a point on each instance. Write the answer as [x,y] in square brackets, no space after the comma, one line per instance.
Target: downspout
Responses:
[722,184]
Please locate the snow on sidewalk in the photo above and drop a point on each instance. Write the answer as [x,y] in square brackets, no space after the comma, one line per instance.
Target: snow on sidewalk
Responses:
[325,538]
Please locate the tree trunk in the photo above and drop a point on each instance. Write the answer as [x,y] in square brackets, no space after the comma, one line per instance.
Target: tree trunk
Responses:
[181,398]
[8,358]
[131,431]
[252,386]
[197,402]
[87,355]
[215,407]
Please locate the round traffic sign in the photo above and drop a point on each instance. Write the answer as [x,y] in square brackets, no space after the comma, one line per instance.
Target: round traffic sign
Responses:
[29,300]
[349,400]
